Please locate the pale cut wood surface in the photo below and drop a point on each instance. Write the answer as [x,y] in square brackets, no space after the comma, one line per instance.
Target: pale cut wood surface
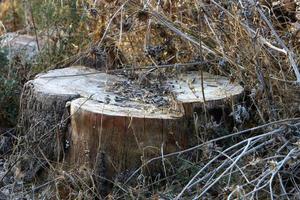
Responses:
[96,89]
[218,91]
[188,87]
[21,45]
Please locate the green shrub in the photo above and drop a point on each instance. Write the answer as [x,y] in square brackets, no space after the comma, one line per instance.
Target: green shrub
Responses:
[9,91]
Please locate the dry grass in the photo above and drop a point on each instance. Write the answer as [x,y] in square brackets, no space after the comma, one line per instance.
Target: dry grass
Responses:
[254,44]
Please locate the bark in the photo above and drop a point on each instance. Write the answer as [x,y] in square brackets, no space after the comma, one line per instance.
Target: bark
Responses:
[108,123]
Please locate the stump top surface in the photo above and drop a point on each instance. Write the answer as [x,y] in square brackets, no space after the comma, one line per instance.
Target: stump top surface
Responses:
[135,110]
[116,95]
[98,93]
[20,44]
[75,80]
[188,87]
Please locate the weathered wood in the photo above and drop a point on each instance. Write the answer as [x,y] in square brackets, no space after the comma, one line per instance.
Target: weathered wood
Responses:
[24,46]
[187,89]
[124,134]
[114,124]
[42,124]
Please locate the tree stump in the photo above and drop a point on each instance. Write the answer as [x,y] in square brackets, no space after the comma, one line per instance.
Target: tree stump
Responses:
[26,47]
[115,124]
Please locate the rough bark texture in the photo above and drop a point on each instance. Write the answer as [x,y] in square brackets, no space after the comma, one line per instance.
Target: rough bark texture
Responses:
[42,124]
[115,124]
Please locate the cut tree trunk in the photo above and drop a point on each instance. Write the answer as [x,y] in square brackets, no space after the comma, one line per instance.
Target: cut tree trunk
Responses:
[26,47]
[116,124]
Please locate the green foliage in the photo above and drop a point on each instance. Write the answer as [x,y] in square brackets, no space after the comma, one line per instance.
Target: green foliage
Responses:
[3,57]
[63,26]
[9,91]
[60,24]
